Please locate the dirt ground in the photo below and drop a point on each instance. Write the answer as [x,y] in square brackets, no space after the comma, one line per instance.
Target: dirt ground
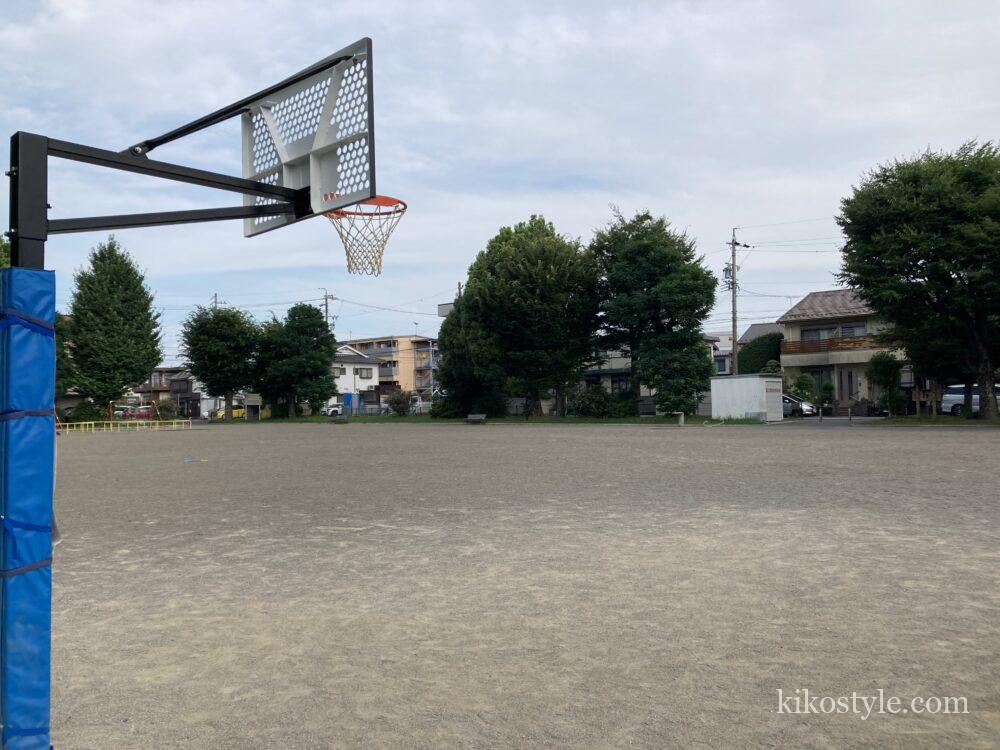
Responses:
[503,586]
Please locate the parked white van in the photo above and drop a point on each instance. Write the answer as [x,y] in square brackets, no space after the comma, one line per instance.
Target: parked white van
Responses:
[953,399]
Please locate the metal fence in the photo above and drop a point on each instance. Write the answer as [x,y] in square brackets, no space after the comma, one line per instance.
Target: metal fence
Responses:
[126,425]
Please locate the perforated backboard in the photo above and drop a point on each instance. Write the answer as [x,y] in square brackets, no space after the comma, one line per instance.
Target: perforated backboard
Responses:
[316,133]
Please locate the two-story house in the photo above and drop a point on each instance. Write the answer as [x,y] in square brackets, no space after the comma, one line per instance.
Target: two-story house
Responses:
[357,379]
[831,336]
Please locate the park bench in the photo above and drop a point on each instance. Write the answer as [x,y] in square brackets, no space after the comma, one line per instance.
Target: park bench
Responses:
[475,419]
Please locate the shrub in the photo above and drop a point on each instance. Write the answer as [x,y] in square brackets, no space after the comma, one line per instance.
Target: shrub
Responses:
[399,402]
[590,400]
[167,409]
[804,386]
[826,393]
[88,412]
[623,404]
[759,353]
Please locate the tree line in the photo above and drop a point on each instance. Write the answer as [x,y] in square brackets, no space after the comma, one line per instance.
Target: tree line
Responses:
[109,341]
[539,308]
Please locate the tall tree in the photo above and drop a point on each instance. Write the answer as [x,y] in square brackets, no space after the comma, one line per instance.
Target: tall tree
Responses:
[113,330]
[655,294]
[531,303]
[469,384]
[294,357]
[4,252]
[219,344]
[922,239]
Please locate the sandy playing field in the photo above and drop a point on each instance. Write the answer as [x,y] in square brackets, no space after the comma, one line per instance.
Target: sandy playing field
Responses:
[503,586]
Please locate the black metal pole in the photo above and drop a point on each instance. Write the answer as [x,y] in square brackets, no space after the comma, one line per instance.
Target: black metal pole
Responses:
[28,200]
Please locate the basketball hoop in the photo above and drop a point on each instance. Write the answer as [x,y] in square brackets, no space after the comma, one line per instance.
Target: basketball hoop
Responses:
[364,229]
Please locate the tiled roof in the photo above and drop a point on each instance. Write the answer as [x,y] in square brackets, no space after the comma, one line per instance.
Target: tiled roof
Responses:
[356,359]
[756,330]
[832,304]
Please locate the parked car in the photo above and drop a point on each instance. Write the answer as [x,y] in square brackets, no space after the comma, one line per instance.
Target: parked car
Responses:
[793,406]
[239,412]
[331,410]
[953,399]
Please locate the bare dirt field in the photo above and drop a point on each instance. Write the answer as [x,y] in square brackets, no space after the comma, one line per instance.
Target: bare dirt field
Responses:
[502,586]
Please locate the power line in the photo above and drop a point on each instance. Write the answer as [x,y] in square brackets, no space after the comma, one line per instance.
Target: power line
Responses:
[785,223]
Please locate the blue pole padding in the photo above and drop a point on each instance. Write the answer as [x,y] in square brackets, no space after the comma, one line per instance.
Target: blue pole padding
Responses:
[27,452]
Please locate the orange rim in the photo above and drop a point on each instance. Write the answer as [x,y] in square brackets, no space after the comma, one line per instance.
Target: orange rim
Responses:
[377,202]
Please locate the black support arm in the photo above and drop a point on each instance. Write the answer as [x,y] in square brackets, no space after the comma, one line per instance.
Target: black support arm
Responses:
[161,218]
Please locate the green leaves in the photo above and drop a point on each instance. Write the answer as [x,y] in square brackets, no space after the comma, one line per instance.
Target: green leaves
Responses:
[219,345]
[654,296]
[294,357]
[114,332]
[755,356]
[527,316]
[922,250]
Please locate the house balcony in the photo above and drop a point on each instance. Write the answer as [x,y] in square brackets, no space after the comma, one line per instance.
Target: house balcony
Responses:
[832,344]
[836,350]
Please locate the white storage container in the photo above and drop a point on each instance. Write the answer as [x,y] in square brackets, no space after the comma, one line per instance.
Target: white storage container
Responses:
[747,397]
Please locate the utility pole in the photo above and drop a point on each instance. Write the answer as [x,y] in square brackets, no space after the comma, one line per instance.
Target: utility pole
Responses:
[326,305]
[730,277]
[215,300]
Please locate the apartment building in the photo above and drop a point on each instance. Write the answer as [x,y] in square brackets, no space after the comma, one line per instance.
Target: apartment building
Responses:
[407,363]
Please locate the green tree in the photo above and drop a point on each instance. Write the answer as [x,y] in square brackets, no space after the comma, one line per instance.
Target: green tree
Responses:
[884,371]
[922,239]
[219,344]
[678,367]
[469,384]
[113,331]
[655,294]
[294,357]
[531,304]
[757,353]
[4,252]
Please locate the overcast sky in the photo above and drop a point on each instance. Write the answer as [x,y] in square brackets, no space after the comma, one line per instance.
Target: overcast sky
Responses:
[760,115]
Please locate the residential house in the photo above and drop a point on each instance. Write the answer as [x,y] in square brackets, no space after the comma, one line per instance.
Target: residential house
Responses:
[756,330]
[193,401]
[157,387]
[357,378]
[409,362]
[831,336]
[722,351]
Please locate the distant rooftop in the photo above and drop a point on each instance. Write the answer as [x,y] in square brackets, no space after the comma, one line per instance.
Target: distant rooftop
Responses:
[756,330]
[835,303]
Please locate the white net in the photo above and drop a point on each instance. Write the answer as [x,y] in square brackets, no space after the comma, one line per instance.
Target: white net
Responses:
[365,229]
